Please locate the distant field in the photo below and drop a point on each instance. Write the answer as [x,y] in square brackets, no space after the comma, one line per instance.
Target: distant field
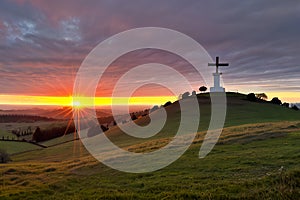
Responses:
[17,147]
[59,140]
[5,133]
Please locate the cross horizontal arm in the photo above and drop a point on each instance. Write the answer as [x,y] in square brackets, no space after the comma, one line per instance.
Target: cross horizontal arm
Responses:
[223,64]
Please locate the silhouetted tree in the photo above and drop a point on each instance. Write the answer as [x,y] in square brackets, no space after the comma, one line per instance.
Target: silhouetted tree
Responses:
[294,107]
[167,103]
[104,128]
[251,97]
[202,89]
[185,95]
[153,108]
[262,96]
[4,156]
[37,135]
[285,104]
[133,117]
[277,101]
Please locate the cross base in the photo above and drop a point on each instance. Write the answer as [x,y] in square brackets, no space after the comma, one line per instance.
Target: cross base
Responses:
[217,89]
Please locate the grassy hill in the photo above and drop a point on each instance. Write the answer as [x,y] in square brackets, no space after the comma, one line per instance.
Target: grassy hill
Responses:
[239,111]
[257,157]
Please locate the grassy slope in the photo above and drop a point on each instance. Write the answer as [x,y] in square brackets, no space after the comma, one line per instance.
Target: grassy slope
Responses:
[60,140]
[239,111]
[5,134]
[255,161]
[15,147]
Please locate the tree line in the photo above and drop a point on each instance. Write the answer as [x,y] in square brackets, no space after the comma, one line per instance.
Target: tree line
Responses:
[262,97]
[41,135]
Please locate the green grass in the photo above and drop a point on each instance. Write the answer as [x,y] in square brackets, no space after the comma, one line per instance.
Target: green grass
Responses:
[4,134]
[17,147]
[60,140]
[239,111]
[254,170]
[257,157]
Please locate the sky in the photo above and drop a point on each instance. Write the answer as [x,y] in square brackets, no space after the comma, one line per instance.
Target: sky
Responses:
[43,43]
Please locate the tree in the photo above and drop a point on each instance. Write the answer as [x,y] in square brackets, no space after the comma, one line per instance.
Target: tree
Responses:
[37,135]
[276,101]
[251,97]
[104,128]
[185,95]
[167,104]
[133,117]
[194,93]
[285,104]
[202,89]
[4,156]
[154,108]
[261,96]
[294,107]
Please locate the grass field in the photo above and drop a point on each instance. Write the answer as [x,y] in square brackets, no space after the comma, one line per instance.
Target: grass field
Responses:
[17,147]
[257,157]
[60,140]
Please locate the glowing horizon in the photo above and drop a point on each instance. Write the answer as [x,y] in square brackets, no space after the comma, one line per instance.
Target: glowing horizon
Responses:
[31,100]
[27,100]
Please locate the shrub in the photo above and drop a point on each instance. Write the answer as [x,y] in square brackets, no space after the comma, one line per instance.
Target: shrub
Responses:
[202,89]
[133,117]
[4,156]
[251,97]
[167,103]
[185,95]
[294,107]
[261,96]
[153,108]
[287,105]
[277,101]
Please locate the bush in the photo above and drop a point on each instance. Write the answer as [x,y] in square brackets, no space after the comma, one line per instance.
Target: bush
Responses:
[167,104]
[40,135]
[154,108]
[294,107]
[133,117]
[185,95]
[277,101]
[287,105]
[261,96]
[4,156]
[202,89]
[251,97]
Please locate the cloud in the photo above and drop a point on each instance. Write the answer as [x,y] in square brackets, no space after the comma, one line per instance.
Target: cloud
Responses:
[40,39]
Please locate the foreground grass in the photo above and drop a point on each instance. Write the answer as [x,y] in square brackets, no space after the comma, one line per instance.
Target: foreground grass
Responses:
[263,166]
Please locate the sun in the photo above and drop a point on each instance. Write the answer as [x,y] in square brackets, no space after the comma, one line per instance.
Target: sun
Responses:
[76,104]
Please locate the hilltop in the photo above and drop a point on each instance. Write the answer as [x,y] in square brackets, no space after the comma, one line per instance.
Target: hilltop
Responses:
[240,111]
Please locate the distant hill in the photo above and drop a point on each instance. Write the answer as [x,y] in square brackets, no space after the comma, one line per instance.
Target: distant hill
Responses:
[8,118]
[58,113]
